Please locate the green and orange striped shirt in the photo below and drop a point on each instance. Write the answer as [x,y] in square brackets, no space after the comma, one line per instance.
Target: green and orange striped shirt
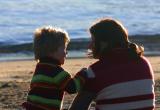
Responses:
[48,85]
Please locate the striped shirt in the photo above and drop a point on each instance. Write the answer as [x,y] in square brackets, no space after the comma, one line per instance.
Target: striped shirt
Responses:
[48,85]
[121,83]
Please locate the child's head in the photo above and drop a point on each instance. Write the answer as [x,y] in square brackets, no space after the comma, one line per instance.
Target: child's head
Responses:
[106,35]
[50,42]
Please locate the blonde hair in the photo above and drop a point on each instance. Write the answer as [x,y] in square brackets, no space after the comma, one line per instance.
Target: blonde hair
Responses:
[47,40]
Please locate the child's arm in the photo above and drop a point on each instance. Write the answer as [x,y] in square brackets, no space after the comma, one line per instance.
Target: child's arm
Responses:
[82,100]
[76,83]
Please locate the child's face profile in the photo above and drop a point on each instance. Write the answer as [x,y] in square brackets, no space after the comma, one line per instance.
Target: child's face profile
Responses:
[60,54]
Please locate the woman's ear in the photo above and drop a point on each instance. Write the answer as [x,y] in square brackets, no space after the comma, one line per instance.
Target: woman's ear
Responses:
[103,46]
[90,46]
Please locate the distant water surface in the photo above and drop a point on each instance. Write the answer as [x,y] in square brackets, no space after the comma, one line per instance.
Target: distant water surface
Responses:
[30,56]
[19,18]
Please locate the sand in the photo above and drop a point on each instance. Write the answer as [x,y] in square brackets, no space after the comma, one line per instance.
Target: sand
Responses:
[16,75]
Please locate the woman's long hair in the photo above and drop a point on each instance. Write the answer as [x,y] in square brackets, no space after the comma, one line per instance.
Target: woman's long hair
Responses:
[108,34]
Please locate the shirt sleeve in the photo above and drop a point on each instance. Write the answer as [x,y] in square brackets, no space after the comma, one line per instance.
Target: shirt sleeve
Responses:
[76,83]
[82,101]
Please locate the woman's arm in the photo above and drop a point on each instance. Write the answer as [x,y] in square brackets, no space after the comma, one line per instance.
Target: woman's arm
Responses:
[82,100]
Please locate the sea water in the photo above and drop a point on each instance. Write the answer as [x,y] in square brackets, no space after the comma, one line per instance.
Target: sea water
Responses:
[19,18]
[29,55]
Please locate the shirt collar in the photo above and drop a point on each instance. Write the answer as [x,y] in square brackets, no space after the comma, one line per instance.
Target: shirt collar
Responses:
[49,60]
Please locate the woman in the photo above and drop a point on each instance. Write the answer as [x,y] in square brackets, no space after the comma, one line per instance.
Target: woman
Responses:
[122,78]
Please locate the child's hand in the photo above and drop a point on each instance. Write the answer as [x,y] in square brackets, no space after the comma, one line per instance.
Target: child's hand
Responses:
[83,70]
[82,73]
[86,73]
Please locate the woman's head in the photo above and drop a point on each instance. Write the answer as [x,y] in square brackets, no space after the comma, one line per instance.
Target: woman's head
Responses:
[107,34]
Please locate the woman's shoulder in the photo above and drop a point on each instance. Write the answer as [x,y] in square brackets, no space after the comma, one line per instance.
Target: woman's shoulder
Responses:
[144,60]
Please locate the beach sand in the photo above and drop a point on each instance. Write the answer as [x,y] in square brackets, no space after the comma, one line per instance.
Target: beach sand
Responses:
[16,75]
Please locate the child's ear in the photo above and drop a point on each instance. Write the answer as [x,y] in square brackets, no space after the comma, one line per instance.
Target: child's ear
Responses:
[52,55]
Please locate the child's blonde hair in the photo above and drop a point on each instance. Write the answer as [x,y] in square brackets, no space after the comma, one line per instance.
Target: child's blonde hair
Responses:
[47,40]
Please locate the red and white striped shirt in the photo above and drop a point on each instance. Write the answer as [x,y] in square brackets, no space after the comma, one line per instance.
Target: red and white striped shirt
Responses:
[122,83]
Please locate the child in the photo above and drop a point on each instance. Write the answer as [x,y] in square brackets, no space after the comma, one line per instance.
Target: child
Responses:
[50,80]
[122,79]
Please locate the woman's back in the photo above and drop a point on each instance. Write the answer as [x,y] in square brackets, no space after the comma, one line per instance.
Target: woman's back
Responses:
[122,83]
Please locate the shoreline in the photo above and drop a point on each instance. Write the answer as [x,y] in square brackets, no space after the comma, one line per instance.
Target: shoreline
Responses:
[30,58]
[150,43]
[77,48]
[20,56]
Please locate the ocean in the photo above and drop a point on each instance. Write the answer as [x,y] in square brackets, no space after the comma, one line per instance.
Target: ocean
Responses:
[20,18]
